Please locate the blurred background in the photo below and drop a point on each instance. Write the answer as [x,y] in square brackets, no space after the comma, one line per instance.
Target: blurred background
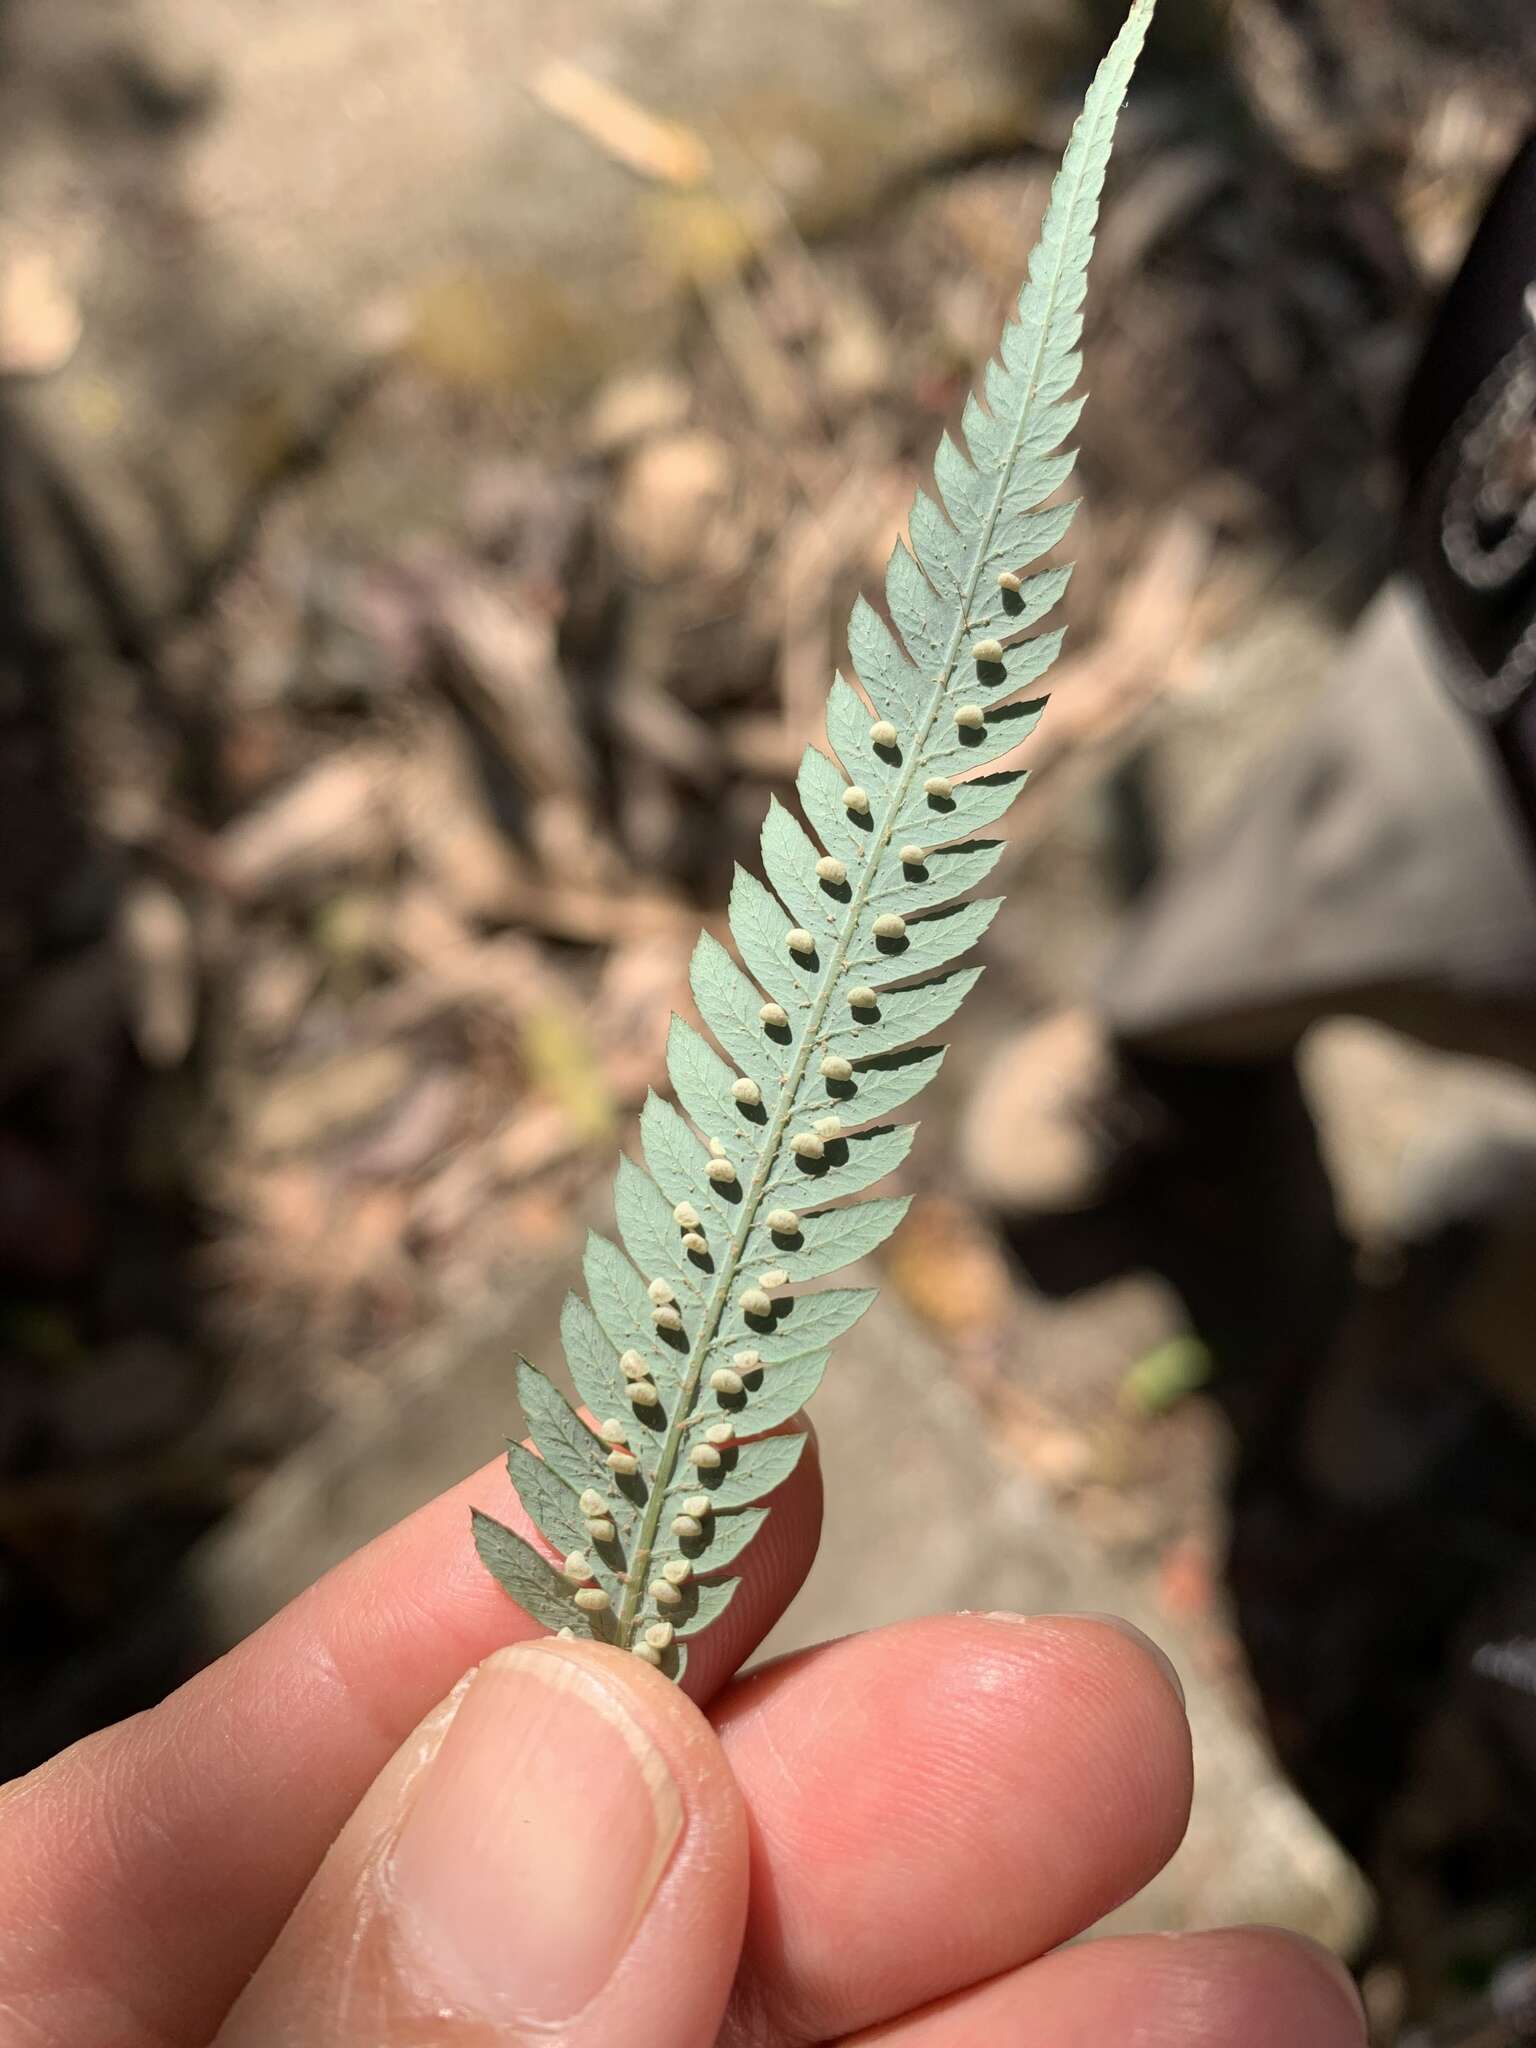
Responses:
[439,446]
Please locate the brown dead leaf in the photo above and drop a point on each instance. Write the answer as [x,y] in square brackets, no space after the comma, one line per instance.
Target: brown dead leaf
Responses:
[648,144]
[635,406]
[947,1268]
[534,1140]
[416,1129]
[500,662]
[307,1107]
[40,323]
[155,940]
[337,814]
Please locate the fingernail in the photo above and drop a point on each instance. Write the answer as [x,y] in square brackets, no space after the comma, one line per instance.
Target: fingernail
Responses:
[534,1843]
[1132,1634]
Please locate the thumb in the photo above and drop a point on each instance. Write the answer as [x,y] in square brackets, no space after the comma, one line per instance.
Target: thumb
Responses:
[558,1853]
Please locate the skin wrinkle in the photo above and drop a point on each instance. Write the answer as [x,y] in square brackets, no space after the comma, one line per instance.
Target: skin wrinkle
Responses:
[101,1846]
[769,1742]
[322,1670]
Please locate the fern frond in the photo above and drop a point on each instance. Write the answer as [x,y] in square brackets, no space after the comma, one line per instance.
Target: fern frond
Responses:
[690,1346]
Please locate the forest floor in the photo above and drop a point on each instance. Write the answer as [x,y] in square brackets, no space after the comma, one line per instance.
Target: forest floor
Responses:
[433,499]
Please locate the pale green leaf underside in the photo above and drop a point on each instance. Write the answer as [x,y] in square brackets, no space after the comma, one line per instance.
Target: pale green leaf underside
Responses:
[682,1356]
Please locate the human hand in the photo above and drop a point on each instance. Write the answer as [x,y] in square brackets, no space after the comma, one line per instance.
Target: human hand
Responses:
[328,1840]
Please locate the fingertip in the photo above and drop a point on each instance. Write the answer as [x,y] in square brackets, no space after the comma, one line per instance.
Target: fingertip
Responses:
[1264,1986]
[1141,1642]
[1235,1988]
[1041,1768]
[566,1816]
[1292,1954]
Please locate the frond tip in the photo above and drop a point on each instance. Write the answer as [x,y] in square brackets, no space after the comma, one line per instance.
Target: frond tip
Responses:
[687,1342]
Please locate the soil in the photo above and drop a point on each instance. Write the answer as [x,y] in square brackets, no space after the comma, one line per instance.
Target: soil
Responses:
[396,654]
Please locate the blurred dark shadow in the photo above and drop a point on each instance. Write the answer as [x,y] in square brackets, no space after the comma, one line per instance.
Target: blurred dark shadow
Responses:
[106,1373]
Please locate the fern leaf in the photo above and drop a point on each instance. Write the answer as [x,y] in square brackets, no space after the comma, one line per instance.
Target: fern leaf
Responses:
[694,1345]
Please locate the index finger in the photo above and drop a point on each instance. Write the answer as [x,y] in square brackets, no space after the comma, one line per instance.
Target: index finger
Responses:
[144,1873]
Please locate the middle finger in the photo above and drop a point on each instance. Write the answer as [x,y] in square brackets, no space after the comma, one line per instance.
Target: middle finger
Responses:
[940,1801]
